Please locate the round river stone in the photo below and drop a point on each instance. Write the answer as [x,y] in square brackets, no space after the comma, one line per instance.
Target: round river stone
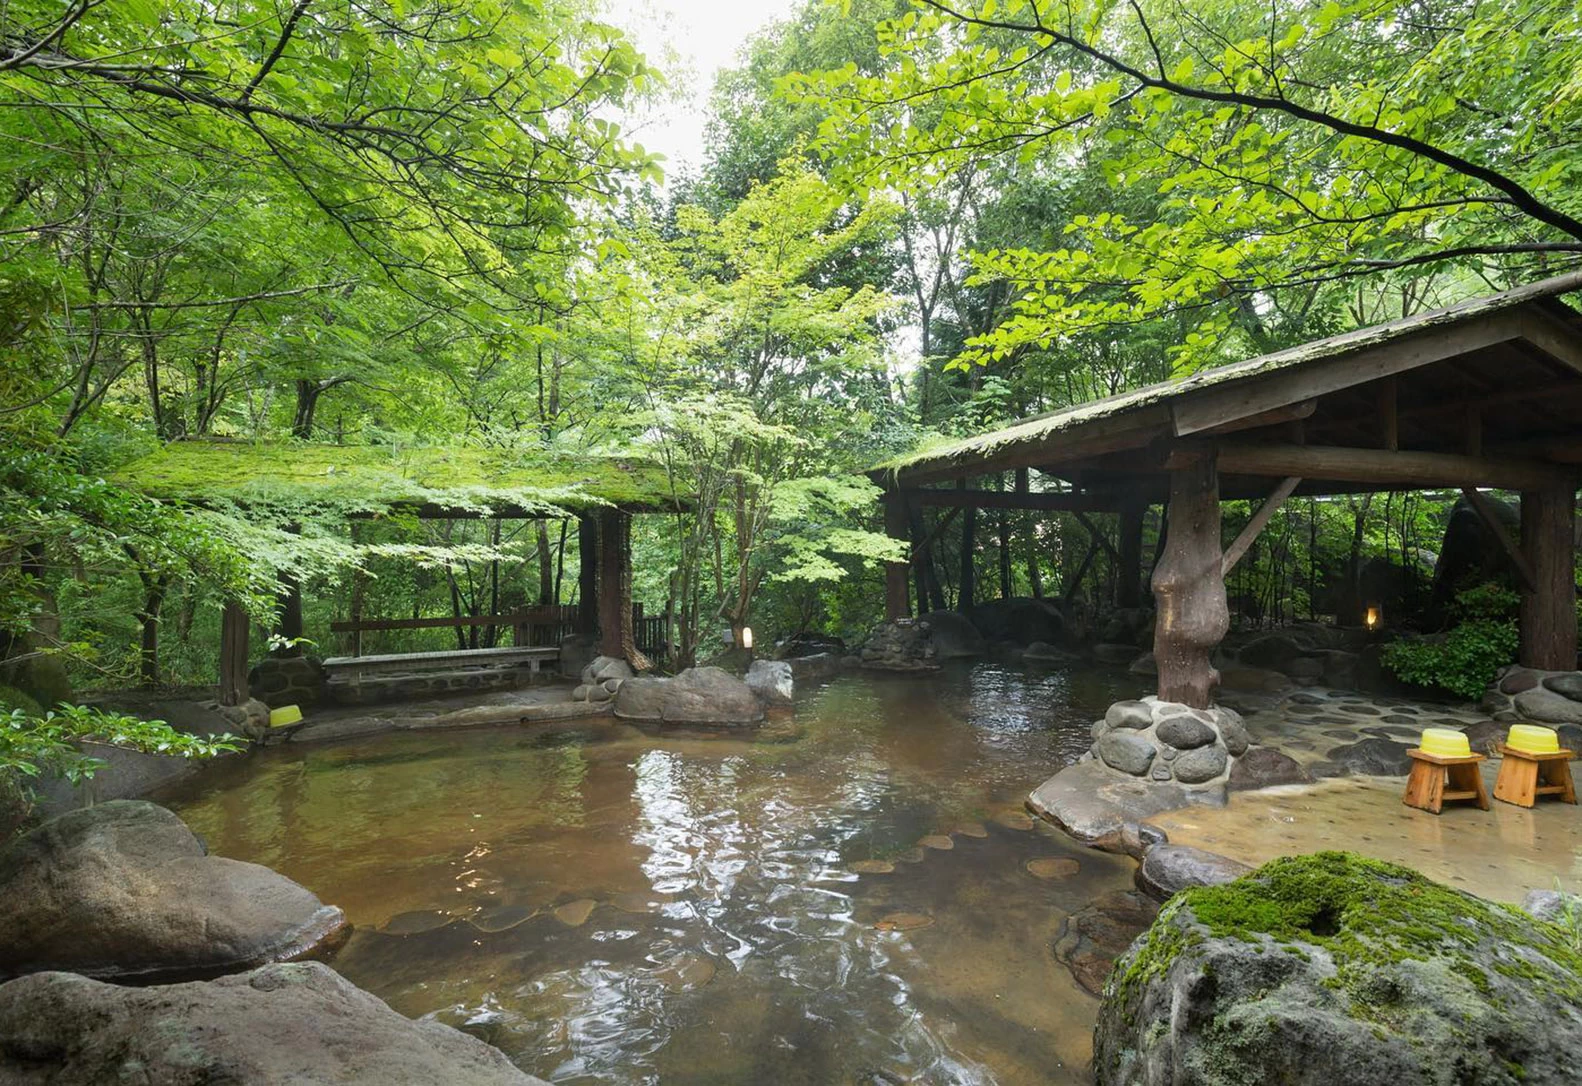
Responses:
[1126,751]
[1202,764]
[1185,732]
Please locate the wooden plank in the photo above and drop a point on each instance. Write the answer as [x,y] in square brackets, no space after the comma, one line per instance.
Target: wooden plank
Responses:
[1293,413]
[1199,411]
[1512,549]
[1381,467]
[1554,337]
[1271,505]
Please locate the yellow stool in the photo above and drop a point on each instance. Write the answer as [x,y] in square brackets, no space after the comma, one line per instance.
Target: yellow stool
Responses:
[1534,765]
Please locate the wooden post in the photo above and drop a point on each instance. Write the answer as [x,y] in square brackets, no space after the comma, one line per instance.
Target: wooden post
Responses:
[1129,568]
[966,588]
[1034,579]
[587,574]
[896,605]
[1189,589]
[234,630]
[616,637]
[1548,611]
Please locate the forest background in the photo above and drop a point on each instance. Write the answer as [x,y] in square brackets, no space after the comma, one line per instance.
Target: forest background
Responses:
[420,224]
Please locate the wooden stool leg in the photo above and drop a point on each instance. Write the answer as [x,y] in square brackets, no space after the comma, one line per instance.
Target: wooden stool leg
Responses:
[1419,783]
[1557,773]
[1518,781]
[1469,778]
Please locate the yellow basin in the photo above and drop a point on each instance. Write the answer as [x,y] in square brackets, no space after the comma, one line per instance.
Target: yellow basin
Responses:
[286,714]
[1533,739]
[1445,742]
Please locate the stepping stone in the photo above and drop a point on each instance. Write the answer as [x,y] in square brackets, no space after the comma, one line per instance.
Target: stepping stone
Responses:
[685,973]
[871,867]
[940,841]
[1397,717]
[503,917]
[1359,710]
[1052,867]
[574,914]
[1015,820]
[910,855]
[903,922]
[416,922]
[972,829]
[1339,733]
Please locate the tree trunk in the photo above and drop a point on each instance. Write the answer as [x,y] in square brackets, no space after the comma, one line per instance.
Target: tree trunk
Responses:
[587,574]
[235,628]
[1548,613]
[896,605]
[546,574]
[148,652]
[615,589]
[1035,579]
[1189,587]
[965,600]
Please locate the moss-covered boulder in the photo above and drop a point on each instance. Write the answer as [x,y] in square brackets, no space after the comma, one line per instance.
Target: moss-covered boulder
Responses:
[1332,968]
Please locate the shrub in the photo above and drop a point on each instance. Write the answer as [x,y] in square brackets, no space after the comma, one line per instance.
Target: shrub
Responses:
[1464,660]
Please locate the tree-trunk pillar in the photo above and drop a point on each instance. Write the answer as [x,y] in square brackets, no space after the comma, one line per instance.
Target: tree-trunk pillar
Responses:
[966,594]
[1129,577]
[1548,613]
[234,631]
[587,575]
[1189,589]
[896,605]
[616,636]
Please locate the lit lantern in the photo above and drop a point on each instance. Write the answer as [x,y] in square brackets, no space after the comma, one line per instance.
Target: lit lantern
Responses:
[1373,618]
[747,638]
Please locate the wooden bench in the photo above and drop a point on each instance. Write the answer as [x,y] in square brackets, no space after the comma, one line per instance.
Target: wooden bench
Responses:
[353,668]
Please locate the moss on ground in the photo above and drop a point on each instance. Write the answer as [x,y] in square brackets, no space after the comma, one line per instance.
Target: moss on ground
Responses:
[382,476]
[1366,914]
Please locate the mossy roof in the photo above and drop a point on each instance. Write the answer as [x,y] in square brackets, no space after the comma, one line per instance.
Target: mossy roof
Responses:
[375,478]
[964,452]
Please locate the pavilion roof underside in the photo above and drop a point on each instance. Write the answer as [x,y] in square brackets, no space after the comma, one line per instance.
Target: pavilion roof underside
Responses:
[1496,380]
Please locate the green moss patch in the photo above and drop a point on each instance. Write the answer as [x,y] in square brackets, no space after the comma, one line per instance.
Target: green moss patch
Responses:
[382,477]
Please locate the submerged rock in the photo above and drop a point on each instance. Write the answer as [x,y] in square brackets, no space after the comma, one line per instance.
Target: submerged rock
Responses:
[283,1023]
[699,695]
[1098,933]
[1331,968]
[125,891]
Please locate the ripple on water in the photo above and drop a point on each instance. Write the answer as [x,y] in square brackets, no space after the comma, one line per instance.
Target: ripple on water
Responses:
[739,880]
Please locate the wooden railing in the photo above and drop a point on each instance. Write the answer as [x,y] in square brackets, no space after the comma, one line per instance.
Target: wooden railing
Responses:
[532,627]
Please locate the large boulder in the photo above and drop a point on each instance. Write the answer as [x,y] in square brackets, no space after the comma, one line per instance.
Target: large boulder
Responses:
[953,635]
[772,681]
[699,695]
[1331,968]
[1265,767]
[1019,620]
[125,891]
[1102,807]
[299,1023]
[903,645]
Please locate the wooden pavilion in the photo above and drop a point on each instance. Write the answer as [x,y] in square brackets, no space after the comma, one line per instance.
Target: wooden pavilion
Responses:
[1484,394]
[373,481]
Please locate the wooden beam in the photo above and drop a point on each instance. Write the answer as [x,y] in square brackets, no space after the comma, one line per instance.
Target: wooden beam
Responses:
[1389,420]
[1260,520]
[1512,549]
[1295,412]
[1383,468]
[1554,337]
[1217,406]
[1056,502]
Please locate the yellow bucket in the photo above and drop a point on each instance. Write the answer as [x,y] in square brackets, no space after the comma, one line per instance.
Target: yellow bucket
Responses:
[286,714]
[1445,742]
[1533,739]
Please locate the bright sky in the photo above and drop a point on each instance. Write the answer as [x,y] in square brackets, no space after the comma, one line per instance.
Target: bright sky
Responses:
[690,41]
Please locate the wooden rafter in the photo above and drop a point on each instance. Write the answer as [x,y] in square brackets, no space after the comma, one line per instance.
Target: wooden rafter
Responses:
[1244,540]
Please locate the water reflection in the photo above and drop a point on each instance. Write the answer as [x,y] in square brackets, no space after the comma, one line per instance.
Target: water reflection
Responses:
[609,906]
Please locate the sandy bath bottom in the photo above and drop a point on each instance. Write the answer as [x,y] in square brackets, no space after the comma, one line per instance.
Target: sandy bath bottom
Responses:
[1498,854]
[864,903]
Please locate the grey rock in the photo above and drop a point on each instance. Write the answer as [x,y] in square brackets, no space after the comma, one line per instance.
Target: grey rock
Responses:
[813,668]
[1485,736]
[1544,706]
[1355,971]
[576,653]
[1168,869]
[1185,732]
[606,667]
[953,635]
[1567,684]
[580,693]
[1169,754]
[1129,714]
[611,685]
[1126,751]
[1518,680]
[1553,906]
[1019,620]
[288,680]
[772,681]
[298,1023]
[699,695]
[1275,651]
[1200,765]
[1233,732]
[1095,804]
[1138,837]
[1265,767]
[1160,771]
[1374,757]
[125,891]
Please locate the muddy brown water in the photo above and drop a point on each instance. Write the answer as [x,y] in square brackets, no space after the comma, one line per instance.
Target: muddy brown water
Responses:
[612,906]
